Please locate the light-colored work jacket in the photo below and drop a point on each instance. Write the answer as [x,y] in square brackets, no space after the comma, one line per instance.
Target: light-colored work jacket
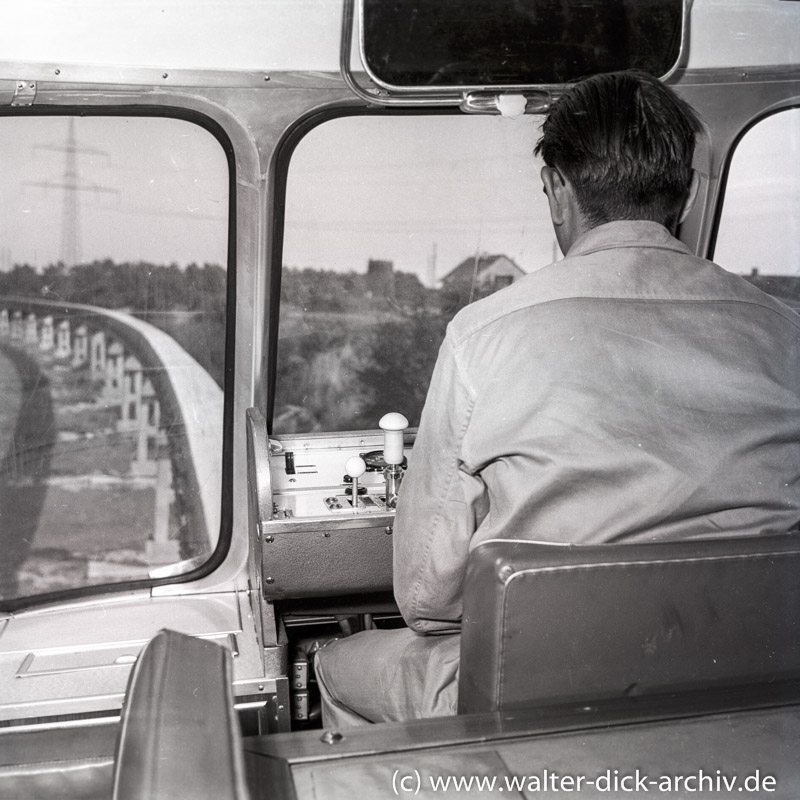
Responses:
[629,392]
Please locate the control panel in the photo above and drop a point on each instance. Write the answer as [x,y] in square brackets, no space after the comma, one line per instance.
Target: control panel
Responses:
[342,475]
[321,508]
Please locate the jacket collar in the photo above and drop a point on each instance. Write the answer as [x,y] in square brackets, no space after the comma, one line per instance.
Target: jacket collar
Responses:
[626,233]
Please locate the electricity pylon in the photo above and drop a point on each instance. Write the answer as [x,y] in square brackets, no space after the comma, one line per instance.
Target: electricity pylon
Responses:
[71,186]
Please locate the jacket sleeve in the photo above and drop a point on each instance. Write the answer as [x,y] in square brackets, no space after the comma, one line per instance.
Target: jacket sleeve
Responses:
[439,506]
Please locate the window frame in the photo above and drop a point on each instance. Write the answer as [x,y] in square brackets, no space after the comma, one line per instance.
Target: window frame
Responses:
[457,91]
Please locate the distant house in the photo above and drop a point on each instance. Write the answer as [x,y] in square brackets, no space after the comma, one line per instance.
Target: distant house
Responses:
[490,273]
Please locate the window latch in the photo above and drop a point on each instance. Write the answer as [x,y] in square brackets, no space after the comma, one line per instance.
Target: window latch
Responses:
[509,104]
[24,93]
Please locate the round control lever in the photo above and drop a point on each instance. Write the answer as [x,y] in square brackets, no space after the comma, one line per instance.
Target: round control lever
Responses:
[355,467]
[393,426]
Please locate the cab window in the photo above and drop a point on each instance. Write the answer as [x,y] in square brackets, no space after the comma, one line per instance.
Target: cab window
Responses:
[113,265]
[759,229]
[392,224]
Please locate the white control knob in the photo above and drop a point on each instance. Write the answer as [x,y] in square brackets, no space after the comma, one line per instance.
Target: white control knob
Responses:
[393,426]
[355,466]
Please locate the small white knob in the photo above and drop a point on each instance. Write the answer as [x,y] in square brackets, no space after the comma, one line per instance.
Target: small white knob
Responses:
[355,466]
[393,425]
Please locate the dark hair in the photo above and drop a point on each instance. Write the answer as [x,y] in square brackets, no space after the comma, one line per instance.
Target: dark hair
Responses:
[625,142]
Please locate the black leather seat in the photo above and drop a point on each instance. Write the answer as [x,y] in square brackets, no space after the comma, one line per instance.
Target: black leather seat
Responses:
[179,734]
[547,623]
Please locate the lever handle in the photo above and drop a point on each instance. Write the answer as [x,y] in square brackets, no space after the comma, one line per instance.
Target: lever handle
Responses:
[355,467]
[393,425]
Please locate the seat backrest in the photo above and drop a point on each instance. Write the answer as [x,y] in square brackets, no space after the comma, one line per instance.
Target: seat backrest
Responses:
[179,734]
[73,763]
[548,623]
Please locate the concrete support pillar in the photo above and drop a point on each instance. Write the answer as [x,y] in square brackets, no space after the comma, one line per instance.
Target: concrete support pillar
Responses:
[98,355]
[142,451]
[47,339]
[63,344]
[114,389]
[31,330]
[152,407]
[131,418]
[148,433]
[161,549]
[17,327]
[80,347]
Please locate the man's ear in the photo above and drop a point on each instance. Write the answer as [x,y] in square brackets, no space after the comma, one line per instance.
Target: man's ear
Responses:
[691,196]
[554,188]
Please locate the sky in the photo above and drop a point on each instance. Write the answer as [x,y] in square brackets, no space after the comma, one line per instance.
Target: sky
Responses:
[760,223]
[151,189]
[425,192]
[396,188]
[406,189]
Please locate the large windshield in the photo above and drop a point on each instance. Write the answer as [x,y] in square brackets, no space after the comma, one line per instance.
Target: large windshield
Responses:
[415,217]
[113,260]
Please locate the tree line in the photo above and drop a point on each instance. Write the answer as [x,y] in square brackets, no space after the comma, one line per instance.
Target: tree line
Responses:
[404,326]
[139,287]
[147,291]
[342,292]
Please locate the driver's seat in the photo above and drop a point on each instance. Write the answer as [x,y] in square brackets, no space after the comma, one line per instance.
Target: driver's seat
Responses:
[548,623]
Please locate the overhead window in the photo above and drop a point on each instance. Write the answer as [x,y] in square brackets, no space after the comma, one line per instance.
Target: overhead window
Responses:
[412,43]
[113,264]
[392,224]
[759,229]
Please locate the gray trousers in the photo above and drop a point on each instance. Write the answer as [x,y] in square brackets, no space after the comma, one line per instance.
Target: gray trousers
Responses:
[387,676]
